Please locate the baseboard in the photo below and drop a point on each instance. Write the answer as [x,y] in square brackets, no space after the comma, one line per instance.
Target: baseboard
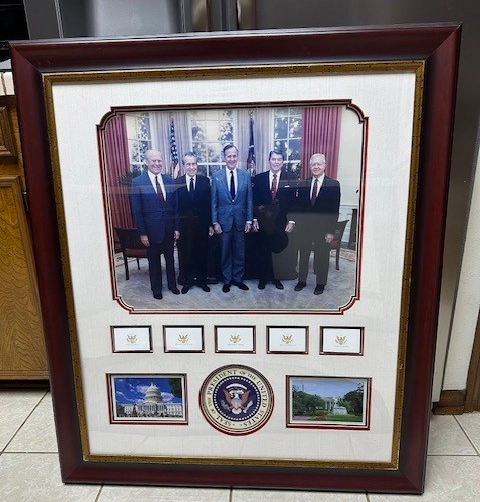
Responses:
[452,402]
[25,384]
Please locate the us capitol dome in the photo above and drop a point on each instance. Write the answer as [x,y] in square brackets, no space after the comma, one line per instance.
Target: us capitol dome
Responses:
[153,406]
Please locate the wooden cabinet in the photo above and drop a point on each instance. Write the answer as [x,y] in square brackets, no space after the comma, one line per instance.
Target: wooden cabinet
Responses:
[22,346]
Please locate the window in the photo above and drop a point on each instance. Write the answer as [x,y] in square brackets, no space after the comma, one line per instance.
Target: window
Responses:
[211,130]
[139,137]
[287,137]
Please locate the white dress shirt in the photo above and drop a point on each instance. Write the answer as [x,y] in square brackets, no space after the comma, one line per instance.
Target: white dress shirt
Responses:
[160,182]
[319,184]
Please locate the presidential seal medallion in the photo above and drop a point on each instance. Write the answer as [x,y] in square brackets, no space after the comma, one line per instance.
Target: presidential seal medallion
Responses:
[236,400]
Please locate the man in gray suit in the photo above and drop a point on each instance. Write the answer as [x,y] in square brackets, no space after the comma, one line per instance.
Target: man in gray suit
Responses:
[232,216]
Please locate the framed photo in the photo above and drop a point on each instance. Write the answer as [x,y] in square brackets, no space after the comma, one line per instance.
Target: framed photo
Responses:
[131,338]
[235,339]
[287,339]
[183,339]
[328,402]
[348,130]
[342,341]
[147,399]
[109,129]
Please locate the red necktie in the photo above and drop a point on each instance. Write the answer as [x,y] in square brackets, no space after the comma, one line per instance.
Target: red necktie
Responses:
[313,198]
[274,186]
[159,191]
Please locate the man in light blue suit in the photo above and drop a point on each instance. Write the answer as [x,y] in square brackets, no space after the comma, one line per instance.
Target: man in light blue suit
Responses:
[232,216]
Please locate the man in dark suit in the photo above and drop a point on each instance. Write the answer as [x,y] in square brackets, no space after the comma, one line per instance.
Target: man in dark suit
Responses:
[272,198]
[318,207]
[153,209]
[232,216]
[193,205]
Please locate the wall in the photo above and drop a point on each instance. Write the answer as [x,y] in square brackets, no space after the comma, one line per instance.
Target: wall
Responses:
[468,299]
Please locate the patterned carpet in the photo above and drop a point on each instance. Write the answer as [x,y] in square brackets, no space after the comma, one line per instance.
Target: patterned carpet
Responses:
[339,291]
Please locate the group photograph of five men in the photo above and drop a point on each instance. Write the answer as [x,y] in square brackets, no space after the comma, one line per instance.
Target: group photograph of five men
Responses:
[235,233]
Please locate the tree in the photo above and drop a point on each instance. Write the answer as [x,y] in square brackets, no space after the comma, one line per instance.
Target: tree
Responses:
[306,404]
[353,401]
[175,387]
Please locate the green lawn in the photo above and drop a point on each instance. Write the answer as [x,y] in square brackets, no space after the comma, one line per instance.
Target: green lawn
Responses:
[338,418]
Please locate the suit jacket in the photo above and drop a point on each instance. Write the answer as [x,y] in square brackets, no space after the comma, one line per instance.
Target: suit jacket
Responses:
[321,218]
[262,196]
[230,212]
[150,217]
[194,208]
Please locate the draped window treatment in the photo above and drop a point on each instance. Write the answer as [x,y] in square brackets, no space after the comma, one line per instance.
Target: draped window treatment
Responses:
[321,134]
[118,171]
[161,136]
[262,136]
[241,133]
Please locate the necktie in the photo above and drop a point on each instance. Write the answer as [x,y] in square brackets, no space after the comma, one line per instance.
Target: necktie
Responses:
[190,187]
[274,186]
[313,198]
[232,185]
[159,191]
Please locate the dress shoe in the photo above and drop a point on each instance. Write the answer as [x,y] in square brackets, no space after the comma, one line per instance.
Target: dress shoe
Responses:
[226,288]
[300,286]
[185,289]
[318,289]
[158,296]
[204,287]
[278,284]
[241,285]
[261,285]
[175,291]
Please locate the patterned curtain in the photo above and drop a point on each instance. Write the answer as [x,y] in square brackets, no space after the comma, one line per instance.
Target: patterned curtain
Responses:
[321,134]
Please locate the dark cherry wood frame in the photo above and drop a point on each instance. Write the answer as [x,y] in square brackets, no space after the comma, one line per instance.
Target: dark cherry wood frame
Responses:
[436,45]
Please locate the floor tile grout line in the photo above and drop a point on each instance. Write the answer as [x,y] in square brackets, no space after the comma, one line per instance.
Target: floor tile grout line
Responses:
[468,437]
[97,498]
[23,423]
[463,455]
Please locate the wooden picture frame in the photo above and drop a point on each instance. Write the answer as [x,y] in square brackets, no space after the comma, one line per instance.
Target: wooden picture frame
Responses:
[45,72]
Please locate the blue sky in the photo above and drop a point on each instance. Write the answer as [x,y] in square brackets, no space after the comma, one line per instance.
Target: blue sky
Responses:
[325,387]
[132,390]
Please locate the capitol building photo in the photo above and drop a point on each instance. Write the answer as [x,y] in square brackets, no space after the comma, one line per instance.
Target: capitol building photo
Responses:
[151,406]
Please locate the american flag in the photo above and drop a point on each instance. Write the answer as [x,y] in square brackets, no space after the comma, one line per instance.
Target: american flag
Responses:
[251,161]
[173,151]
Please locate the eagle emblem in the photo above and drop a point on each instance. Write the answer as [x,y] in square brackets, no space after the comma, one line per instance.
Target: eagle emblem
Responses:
[132,339]
[236,396]
[236,399]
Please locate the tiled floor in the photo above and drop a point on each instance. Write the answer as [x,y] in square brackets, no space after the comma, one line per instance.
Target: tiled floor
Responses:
[29,468]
